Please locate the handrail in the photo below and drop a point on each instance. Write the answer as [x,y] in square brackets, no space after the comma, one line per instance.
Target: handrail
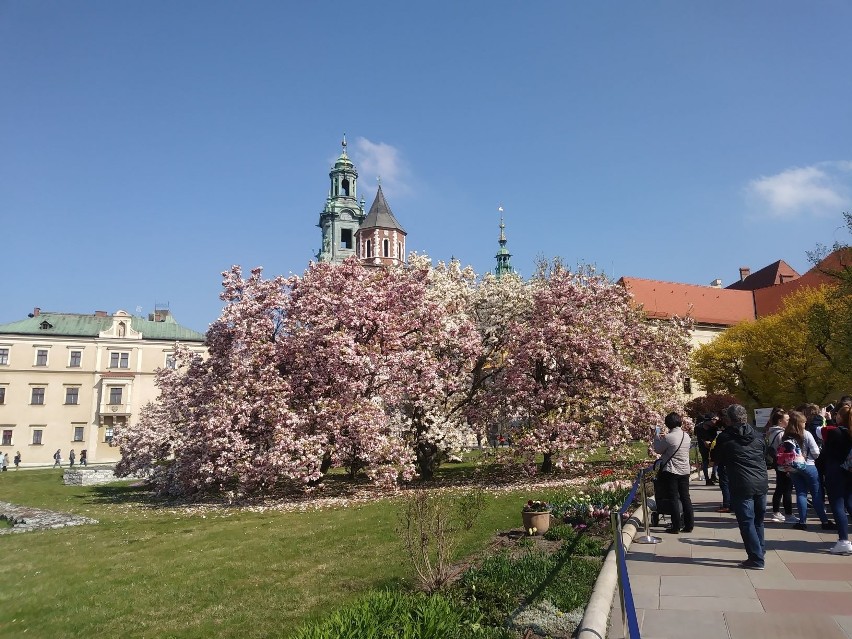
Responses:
[628,608]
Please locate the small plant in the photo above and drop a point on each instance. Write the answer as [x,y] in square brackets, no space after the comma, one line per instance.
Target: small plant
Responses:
[536,507]
[429,526]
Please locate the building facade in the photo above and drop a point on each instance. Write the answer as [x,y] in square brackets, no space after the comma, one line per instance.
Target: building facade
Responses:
[376,237]
[67,380]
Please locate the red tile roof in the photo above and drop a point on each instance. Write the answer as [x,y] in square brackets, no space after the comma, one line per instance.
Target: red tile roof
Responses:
[770,300]
[704,304]
[776,273]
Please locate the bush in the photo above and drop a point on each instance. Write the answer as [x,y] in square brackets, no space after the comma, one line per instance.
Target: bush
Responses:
[400,615]
[578,543]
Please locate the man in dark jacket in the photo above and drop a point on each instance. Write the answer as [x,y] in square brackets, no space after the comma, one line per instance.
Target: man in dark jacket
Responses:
[741,450]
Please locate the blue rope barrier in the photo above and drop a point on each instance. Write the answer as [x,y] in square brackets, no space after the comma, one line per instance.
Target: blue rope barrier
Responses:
[621,558]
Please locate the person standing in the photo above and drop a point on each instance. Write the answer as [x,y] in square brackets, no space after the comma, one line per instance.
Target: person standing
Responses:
[705,433]
[838,482]
[57,458]
[4,461]
[806,480]
[84,461]
[71,458]
[674,472]
[17,459]
[742,452]
[783,493]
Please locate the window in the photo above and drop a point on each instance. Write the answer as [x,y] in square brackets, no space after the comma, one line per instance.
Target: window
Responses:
[78,433]
[2,394]
[75,359]
[72,395]
[386,248]
[37,398]
[7,437]
[369,249]
[108,433]
[119,360]
[687,385]
[122,330]
[346,238]
[4,356]
[37,436]
[345,185]
[171,362]
[115,394]
[41,357]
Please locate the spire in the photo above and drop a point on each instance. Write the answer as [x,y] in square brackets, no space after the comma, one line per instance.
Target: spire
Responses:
[503,256]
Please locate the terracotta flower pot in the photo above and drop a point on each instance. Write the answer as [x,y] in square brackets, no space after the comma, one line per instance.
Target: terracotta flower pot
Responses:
[539,521]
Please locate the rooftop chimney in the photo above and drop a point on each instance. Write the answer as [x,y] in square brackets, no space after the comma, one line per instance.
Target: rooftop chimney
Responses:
[100,313]
[717,283]
[745,271]
[36,311]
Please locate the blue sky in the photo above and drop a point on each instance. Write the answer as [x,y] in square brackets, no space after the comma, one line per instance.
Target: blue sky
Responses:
[145,147]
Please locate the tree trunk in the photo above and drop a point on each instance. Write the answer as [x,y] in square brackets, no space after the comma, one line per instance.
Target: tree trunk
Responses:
[547,464]
[427,460]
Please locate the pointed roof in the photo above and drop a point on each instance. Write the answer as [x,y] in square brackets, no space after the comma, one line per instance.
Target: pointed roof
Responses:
[776,273]
[380,215]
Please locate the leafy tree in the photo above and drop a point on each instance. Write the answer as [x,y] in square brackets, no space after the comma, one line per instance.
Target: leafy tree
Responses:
[711,403]
[774,361]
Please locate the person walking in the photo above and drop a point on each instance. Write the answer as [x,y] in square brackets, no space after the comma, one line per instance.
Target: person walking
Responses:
[4,461]
[84,460]
[741,451]
[57,458]
[71,458]
[674,472]
[806,479]
[17,459]
[783,492]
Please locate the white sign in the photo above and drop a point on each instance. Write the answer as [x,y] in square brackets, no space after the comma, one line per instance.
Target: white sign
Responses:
[761,416]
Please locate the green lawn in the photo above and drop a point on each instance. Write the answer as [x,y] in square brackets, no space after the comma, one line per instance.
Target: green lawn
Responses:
[148,571]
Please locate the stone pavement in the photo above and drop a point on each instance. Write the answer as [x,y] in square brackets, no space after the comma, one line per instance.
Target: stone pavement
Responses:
[39,519]
[689,585]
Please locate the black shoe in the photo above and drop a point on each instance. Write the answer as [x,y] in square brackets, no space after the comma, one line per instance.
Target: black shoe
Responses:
[800,526]
[748,564]
[714,481]
[829,525]
[672,531]
[708,482]
[686,530]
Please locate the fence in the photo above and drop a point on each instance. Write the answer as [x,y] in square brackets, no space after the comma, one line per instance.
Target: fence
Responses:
[628,610]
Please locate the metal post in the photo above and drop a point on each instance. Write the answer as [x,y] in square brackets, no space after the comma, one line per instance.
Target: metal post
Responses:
[647,538]
[615,520]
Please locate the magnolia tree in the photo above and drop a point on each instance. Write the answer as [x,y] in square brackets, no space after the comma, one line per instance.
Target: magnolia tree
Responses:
[583,367]
[385,371]
[345,366]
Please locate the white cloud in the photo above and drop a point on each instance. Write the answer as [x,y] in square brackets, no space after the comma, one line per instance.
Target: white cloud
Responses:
[823,188]
[377,159]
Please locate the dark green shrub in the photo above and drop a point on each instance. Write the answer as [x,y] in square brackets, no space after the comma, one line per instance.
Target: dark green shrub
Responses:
[576,543]
[400,615]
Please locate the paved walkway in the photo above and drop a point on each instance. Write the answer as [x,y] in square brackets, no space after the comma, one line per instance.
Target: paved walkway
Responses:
[690,586]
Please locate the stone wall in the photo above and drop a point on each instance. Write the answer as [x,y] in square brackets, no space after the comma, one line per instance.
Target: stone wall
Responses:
[88,477]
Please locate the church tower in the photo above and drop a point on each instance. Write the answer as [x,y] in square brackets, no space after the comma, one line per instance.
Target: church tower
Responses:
[503,264]
[381,240]
[343,213]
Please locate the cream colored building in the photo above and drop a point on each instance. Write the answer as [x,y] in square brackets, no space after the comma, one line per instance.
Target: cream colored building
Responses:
[67,380]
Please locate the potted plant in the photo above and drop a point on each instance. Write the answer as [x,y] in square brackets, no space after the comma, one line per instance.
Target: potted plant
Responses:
[536,517]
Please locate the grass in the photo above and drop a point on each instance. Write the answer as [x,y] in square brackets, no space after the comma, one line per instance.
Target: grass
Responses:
[165,572]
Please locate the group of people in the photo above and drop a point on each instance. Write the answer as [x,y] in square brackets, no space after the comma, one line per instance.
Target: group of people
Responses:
[72,457]
[808,449]
[4,460]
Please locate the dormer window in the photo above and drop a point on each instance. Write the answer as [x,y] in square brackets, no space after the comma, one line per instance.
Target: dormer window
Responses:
[45,325]
[122,329]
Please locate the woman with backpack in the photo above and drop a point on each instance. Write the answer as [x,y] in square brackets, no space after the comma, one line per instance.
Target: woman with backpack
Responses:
[783,493]
[837,443]
[804,473]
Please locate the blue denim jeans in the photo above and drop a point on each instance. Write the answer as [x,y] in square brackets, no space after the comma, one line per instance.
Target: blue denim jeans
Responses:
[837,484]
[807,481]
[750,512]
